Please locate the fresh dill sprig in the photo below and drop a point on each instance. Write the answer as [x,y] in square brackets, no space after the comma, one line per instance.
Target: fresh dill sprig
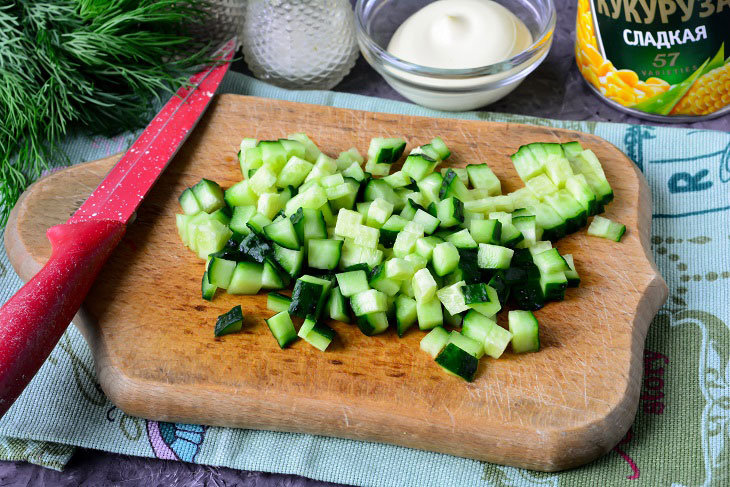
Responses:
[94,64]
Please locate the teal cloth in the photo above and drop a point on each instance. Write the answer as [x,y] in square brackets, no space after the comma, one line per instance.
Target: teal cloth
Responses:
[681,433]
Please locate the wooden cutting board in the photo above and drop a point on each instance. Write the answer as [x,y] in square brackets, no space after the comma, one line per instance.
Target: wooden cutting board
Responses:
[156,357]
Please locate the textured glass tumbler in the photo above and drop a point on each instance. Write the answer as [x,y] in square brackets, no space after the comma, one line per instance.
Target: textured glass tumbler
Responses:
[225,20]
[300,44]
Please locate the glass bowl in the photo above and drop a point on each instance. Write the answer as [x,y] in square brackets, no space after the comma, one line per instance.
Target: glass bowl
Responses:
[450,89]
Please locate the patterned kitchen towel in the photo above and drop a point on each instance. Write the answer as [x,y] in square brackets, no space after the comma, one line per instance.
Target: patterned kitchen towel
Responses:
[681,433]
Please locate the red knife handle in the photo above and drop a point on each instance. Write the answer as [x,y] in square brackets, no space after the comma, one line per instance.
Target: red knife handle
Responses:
[33,320]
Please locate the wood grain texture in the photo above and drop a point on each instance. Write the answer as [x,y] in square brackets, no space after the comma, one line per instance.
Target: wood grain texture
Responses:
[156,357]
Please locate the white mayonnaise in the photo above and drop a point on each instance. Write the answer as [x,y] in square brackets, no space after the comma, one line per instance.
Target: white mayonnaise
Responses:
[460,34]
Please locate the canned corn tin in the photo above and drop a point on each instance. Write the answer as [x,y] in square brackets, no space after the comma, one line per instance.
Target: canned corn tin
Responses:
[662,60]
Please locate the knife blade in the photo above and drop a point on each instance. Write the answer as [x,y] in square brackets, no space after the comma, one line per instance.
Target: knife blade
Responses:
[33,320]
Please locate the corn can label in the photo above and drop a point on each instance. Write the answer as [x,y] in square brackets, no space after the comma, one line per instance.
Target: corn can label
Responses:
[659,57]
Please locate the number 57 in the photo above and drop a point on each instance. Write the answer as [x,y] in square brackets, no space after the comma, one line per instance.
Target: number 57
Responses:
[660,60]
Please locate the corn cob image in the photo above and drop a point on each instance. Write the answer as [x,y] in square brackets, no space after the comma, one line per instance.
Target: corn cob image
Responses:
[620,85]
[711,92]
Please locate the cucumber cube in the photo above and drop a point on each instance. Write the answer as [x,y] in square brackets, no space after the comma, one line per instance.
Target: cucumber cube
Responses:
[379,212]
[405,313]
[525,331]
[494,256]
[282,328]
[229,322]
[429,313]
[399,269]
[424,285]
[370,301]
[435,341]
[452,298]
[445,258]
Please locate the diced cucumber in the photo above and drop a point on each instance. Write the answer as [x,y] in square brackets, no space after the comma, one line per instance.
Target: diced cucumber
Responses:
[458,362]
[462,239]
[527,226]
[274,276]
[429,314]
[379,212]
[487,308]
[352,282]
[476,326]
[282,328]
[406,314]
[189,203]
[452,186]
[486,231]
[385,151]
[429,187]
[549,220]
[210,236]
[558,169]
[316,334]
[348,222]
[293,148]
[450,212]
[439,146]
[337,306]
[569,210]
[311,152]
[370,301]
[398,179]
[229,322]
[499,283]
[550,261]
[294,172]
[277,302]
[571,274]
[426,220]
[424,285]
[378,188]
[290,260]
[445,258]
[435,341]
[209,195]
[373,323]
[355,172]
[553,285]
[309,223]
[263,180]
[526,164]
[494,256]
[220,272]
[452,298]
[207,289]
[273,154]
[324,253]
[309,296]
[469,345]
[256,247]
[605,228]
[578,187]
[405,243]
[482,177]
[418,166]
[541,186]
[283,233]
[247,278]
[241,216]
[240,194]
[587,163]
[525,331]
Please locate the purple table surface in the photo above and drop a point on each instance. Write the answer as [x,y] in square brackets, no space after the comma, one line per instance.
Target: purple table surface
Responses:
[554,90]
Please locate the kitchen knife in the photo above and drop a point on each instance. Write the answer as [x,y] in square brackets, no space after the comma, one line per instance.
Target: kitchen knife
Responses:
[33,320]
